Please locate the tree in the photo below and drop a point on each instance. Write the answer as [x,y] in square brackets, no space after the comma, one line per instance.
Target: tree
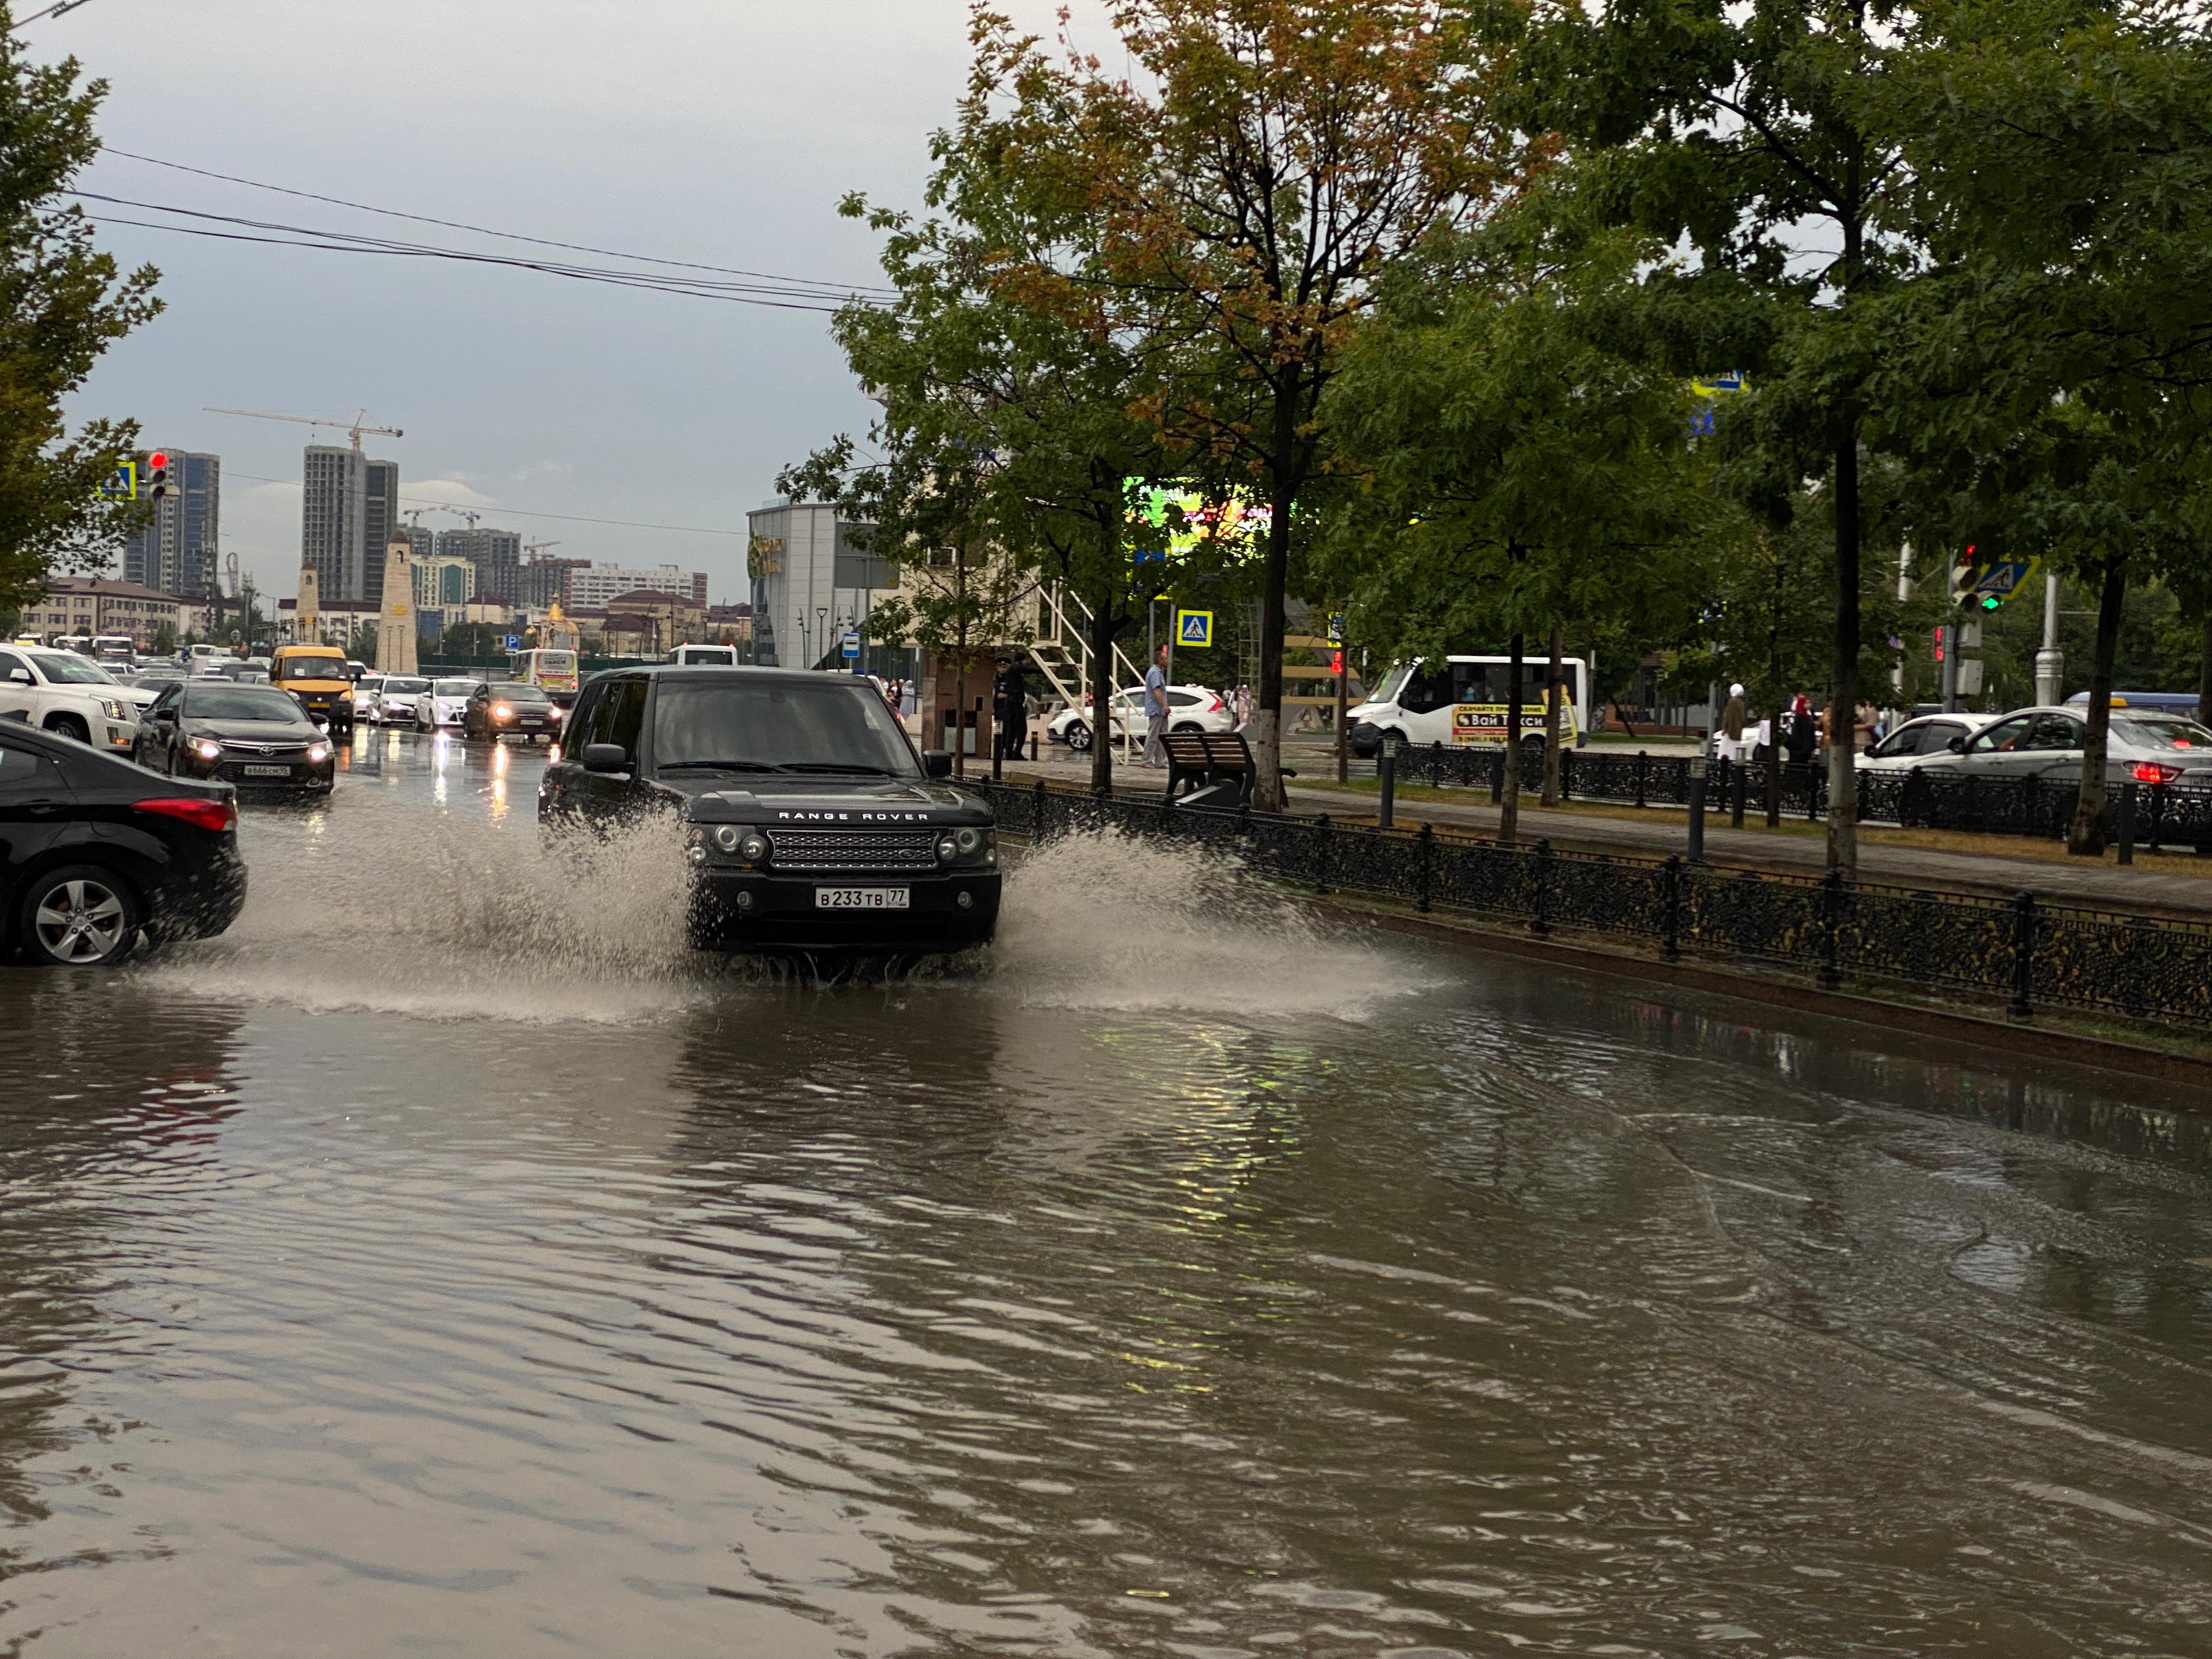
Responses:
[61,304]
[1736,128]
[1526,474]
[1249,176]
[2054,367]
[928,509]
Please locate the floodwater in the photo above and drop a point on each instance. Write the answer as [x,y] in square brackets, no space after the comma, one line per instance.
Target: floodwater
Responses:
[443,1263]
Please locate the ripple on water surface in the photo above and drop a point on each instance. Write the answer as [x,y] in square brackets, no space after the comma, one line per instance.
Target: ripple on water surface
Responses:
[1188,1277]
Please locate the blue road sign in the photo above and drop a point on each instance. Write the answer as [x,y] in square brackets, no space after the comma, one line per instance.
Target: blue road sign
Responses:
[122,484]
[1193,628]
[851,646]
[515,642]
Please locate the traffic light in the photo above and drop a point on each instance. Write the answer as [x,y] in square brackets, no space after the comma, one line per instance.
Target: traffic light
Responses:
[157,475]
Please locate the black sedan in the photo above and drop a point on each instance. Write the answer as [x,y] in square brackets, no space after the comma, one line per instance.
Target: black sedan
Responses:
[253,736]
[94,854]
[510,709]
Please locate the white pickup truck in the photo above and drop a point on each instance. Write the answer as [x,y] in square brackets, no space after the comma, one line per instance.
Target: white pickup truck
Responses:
[61,691]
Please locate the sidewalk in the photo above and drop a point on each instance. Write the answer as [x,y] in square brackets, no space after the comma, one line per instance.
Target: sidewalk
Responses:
[1657,831]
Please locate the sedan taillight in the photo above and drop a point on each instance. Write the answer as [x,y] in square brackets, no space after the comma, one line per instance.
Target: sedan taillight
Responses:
[215,817]
[2152,772]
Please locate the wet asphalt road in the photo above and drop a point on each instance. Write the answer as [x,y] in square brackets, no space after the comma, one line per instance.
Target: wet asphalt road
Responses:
[445,1261]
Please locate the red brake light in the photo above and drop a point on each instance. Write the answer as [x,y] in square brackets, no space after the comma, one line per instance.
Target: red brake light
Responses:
[2152,772]
[214,816]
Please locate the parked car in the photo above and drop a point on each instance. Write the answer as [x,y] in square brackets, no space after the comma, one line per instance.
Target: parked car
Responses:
[96,853]
[396,698]
[1190,708]
[253,736]
[440,703]
[367,698]
[510,709]
[2047,743]
[1918,741]
[810,825]
[61,691]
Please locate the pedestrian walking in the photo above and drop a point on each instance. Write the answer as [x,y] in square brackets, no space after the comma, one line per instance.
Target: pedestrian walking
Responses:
[1012,709]
[1156,710]
[1733,718]
[909,703]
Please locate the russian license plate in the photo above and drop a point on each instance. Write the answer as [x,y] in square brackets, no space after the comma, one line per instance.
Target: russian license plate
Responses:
[266,771]
[860,898]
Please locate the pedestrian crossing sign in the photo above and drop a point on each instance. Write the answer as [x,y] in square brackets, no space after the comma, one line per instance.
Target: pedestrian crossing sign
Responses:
[1194,628]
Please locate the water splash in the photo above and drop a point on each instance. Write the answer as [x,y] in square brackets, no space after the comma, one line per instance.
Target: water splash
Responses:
[1106,920]
[378,905]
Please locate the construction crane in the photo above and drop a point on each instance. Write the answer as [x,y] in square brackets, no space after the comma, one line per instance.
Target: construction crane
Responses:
[463,513]
[538,547]
[352,428]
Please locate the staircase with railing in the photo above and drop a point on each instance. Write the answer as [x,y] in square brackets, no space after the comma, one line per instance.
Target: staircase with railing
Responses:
[1061,647]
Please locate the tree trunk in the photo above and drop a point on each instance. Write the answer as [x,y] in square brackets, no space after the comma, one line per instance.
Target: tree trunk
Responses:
[1509,812]
[2087,835]
[1102,696]
[1267,718]
[1554,683]
[2204,674]
[1843,678]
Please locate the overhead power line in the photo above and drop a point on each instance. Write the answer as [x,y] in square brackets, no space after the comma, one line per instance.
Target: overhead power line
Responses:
[507,235]
[339,241]
[516,512]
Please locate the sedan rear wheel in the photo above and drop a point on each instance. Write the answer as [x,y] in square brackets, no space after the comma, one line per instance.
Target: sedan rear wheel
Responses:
[79,916]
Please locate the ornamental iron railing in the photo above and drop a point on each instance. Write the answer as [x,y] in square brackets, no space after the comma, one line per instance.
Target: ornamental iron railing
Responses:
[1918,800]
[2022,951]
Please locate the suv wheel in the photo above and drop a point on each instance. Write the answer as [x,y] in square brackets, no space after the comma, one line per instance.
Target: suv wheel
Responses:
[70,725]
[79,916]
[1078,738]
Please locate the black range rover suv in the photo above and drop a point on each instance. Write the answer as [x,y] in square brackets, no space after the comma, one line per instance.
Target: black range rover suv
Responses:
[812,825]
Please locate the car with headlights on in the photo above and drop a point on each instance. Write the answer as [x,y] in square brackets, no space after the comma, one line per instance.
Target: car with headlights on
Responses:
[810,825]
[511,708]
[255,737]
[95,854]
[441,703]
[62,691]
[393,700]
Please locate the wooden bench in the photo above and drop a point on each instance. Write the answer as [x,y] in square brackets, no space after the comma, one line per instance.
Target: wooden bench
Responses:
[1211,769]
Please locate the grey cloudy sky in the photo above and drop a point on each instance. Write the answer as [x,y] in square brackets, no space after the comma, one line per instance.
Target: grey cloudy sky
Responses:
[717,130]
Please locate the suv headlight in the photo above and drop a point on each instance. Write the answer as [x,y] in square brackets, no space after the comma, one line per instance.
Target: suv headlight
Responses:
[207,749]
[971,847]
[113,709]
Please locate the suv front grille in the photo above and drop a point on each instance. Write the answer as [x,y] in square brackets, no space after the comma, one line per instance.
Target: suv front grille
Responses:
[843,849]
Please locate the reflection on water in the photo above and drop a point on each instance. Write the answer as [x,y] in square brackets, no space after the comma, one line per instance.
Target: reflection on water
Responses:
[1187,1277]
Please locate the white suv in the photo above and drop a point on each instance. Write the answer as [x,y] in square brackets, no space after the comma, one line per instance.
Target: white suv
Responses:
[61,691]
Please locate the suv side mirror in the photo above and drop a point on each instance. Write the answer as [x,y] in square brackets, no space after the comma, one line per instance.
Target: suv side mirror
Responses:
[20,676]
[605,758]
[1957,746]
[937,763]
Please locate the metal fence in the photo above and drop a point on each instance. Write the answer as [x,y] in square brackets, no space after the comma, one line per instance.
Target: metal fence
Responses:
[2022,951]
[1921,799]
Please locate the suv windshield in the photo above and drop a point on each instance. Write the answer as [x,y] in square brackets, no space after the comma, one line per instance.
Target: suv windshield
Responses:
[778,725]
[312,668]
[63,669]
[241,702]
[2152,732]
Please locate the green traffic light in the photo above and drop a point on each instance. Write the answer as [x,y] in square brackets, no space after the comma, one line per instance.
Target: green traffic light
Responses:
[1990,601]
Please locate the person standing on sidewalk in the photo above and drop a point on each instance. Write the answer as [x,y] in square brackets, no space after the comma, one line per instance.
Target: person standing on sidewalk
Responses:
[1730,746]
[1156,710]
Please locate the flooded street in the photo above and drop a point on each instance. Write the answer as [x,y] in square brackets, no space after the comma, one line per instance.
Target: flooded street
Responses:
[445,1261]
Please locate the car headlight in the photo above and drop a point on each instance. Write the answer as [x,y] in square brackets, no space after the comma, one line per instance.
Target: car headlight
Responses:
[948,848]
[726,838]
[207,749]
[320,753]
[113,709]
[752,848]
[502,712]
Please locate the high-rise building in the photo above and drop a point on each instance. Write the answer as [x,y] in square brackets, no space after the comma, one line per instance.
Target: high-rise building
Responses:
[810,584]
[496,555]
[595,586]
[380,519]
[175,553]
[335,528]
[544,580]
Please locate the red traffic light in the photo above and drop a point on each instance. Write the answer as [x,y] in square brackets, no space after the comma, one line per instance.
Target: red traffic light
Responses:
[157,460]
